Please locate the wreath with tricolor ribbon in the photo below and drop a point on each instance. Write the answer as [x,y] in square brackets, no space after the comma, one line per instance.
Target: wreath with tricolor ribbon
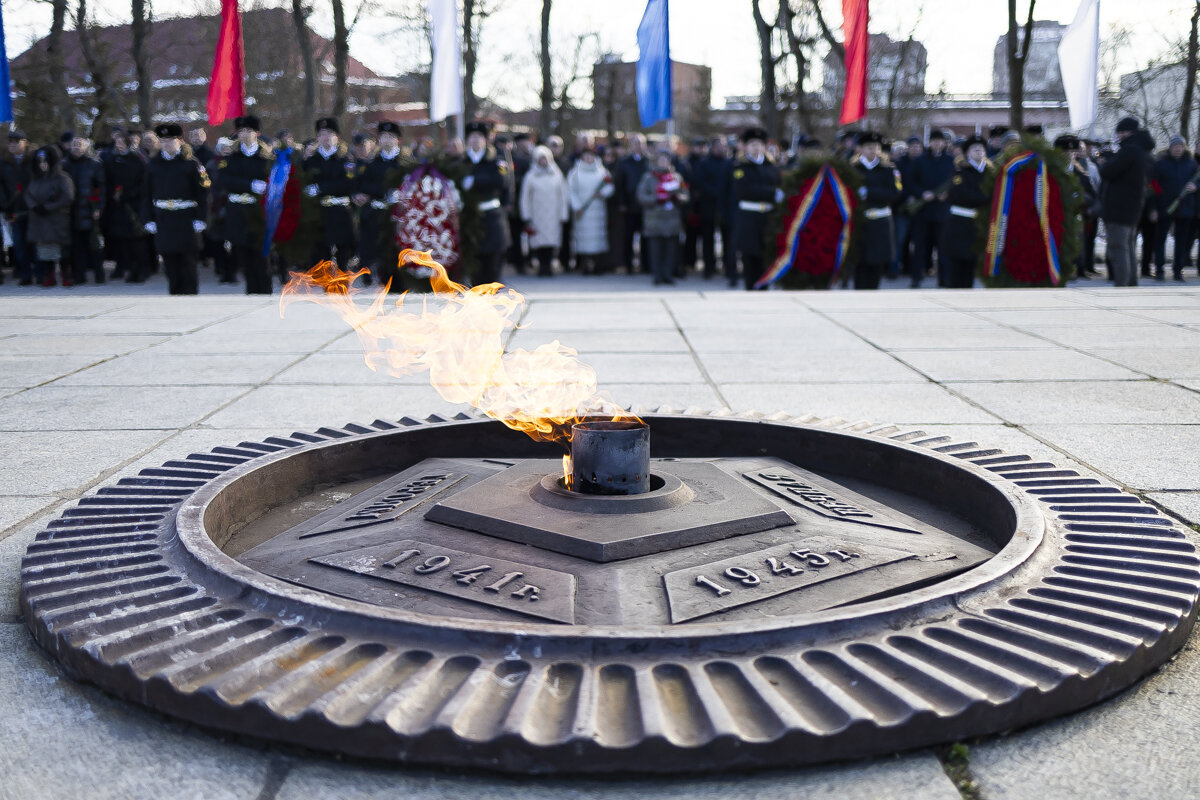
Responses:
[810,233]
[1031,235]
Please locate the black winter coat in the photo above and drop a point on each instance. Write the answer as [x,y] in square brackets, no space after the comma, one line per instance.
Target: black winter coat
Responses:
[124,178]
[710,188]
[966,194]
[626,177]
[16,177]
[931,174]
[491,185]
[235,173]
[176,179]
[334,178]
[1172,175]
[1124,180]
[883,187]
[87,173]
[753,184]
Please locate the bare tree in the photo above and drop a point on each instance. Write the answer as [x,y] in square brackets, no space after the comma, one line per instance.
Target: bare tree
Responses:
[55,65]
[108,102]
[573,71]
[768,94]
[140,29]
[799,47]
[341,58]
[475,15]
[300,21]
[838,48]
[547,92]
[1017,52]
[1189,86]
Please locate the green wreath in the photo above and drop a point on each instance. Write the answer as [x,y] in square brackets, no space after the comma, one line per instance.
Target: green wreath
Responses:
[791,182]
[1070,244]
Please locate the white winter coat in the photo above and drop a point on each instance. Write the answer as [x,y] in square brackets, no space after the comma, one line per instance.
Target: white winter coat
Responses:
[544,202]
[589,235]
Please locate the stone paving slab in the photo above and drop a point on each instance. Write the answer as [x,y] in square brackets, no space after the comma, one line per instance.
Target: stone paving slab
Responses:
[1046,389]
[55,407]
[1142,743]
[154,368]
[902,403]
[1165,363]
[984,365]
[1146,457]
[1116,402]
[1183,504]
[1143,336]
[22,371]
[57,463]
[911,776]
[60,739]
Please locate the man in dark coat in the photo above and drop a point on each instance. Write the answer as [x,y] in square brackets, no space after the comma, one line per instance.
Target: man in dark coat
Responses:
[880,190]
[15,166]
[488,184]
[907,164]
[376,190]
[331,172]
[967,201]
[755,180]
[243,175]
[520,159]
[626,177]
[693,226]
[174,199]
[1124,177]
[1177,177]
[124,174]
[710,188]
[87,173]
[930,181]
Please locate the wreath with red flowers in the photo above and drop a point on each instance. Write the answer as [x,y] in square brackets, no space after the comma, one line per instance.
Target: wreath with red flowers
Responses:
[1024,261]
[816,253]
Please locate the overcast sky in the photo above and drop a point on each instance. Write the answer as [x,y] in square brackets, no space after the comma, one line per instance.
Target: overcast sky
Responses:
[959,35]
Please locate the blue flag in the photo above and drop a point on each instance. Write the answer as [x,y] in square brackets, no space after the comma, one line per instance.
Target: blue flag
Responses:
[654,64]
[6,114]
[275,186]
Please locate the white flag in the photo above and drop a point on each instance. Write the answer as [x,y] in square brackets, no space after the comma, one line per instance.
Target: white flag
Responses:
[1079,62]
[445,92]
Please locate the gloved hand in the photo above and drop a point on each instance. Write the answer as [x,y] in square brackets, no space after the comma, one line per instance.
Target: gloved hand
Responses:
[151,227]
[258,187]
[312,190]
[779,195]
[468,182]
[862,192]
[198,226]
[393,197]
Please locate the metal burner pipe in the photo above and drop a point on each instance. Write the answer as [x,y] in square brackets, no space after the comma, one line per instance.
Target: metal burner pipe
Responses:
[610,457]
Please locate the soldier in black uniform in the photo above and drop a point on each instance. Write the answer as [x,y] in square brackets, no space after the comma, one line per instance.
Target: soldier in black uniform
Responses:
[967,201]
[376,190]
[755,182]
[331,172]
[243,175]
[174,199]
[489,184]
[881,189]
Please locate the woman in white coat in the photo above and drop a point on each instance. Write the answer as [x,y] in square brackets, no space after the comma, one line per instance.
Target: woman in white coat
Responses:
[588,186]
[544,208]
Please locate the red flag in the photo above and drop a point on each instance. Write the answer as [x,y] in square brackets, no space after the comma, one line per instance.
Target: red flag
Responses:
[854,27]
[227,90]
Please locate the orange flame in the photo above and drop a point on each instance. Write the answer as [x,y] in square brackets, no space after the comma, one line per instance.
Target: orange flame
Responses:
[460,342]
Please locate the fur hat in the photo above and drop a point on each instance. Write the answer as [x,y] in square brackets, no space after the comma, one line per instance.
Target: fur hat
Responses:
[328,124]
[249,121]
[168,130]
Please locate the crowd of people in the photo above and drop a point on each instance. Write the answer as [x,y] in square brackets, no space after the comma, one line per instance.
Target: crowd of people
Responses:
[157,199]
